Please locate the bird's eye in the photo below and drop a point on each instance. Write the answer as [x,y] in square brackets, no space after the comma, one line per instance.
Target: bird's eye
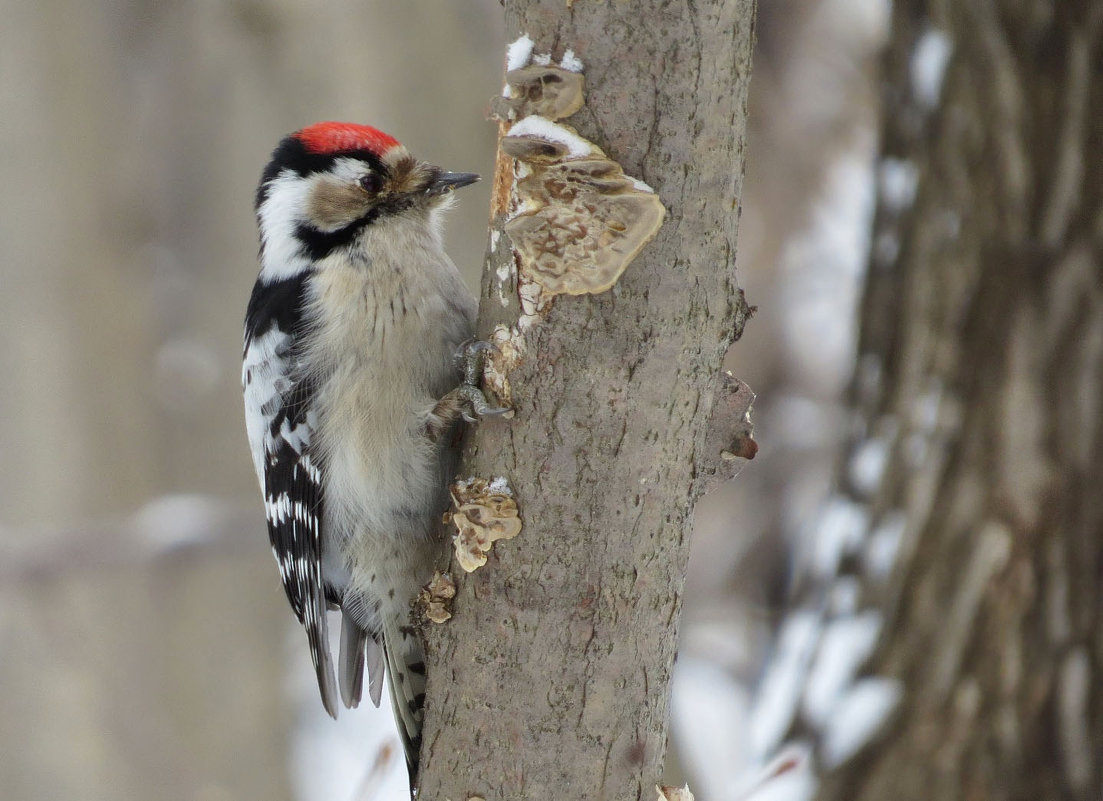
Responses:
[371,183]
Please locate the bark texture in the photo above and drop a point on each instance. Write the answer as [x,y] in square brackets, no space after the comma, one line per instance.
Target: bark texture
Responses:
[980,373]
[553,677]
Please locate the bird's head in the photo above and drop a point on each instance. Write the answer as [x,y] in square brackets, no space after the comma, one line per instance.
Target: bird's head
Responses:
[327,183]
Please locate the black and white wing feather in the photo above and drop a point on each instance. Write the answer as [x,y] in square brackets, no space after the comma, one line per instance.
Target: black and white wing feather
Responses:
[280,419]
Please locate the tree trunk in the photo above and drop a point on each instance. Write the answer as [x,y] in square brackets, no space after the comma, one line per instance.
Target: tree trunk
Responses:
[980,379]
[553,676]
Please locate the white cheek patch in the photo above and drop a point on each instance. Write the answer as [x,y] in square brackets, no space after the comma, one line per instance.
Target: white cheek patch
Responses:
[282,210]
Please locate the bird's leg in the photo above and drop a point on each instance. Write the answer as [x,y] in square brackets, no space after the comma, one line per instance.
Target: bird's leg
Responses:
[466,400]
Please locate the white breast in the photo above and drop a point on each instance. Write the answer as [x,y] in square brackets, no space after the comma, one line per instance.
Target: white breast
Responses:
[385,328]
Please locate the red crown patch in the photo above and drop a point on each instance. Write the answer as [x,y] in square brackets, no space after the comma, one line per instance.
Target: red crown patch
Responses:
[337,137]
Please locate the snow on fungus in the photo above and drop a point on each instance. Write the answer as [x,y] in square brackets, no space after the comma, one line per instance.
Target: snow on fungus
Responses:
[525,137]
[518,52]
[571,62]
[500,485]
[667,793]
[482,516]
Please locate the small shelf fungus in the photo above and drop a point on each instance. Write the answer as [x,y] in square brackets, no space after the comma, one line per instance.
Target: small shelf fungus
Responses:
[483,512]
[552,92]
[435,598]
[667,793]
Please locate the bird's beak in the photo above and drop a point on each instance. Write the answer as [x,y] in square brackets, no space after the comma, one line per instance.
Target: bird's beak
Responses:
[447,181]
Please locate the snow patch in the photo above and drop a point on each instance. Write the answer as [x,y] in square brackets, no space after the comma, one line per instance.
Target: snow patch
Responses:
[541,128]
[1073,696]
[822,272]
[858,717]
[844,596]
[788,777]
[842,529]
[884,544]
[928,67]
[867,465]
[779,693]
[898,180]
[519,52]
[845,645]
[708,711]
[571,62]
[499,485]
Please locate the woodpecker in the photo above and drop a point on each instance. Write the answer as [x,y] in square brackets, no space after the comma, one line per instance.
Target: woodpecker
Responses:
[352,385]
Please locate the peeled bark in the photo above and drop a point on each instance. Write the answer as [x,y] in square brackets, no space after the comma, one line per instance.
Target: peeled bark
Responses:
[553,676]
[980,374]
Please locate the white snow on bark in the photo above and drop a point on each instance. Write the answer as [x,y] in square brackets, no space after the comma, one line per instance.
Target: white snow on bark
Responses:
[822,274]
[867,464]
[858,717]
[884,544]
[845,645]
[841,530]
[898,181]
[780,691]
[928,67]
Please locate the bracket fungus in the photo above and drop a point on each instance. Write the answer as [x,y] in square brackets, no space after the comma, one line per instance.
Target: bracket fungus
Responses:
[484,512]
[667,793]
[435,598]
[729,442]
[543,89]
[580,219]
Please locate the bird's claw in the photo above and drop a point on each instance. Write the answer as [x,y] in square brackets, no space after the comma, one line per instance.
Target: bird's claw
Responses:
[469,358]
[474,405]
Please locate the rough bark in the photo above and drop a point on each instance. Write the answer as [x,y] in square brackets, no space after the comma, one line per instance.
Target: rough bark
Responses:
[553,677]
[980,372]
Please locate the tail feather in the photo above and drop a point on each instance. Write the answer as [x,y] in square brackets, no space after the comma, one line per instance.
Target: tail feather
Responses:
[350,673]
[406,683]
[317,634]
[376,659]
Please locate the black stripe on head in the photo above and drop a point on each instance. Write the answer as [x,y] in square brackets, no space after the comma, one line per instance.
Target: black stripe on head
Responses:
[318,244]
[291,154]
